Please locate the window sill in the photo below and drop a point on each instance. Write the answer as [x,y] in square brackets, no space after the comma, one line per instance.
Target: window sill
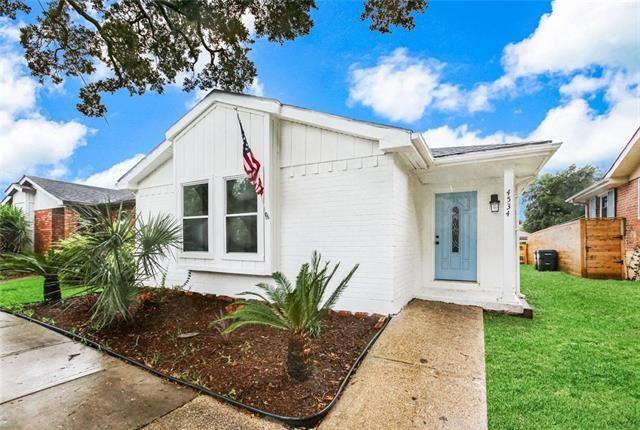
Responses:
[224,270]
[243,256]
[196,255]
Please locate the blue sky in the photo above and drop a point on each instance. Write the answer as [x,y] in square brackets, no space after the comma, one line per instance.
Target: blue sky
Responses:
[469,73]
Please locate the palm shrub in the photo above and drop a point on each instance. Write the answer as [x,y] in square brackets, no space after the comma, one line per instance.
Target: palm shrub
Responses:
[114,252]
[31,263]
[14,229]
[299,309]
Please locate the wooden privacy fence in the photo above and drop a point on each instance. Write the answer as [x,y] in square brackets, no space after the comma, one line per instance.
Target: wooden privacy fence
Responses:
[591,248]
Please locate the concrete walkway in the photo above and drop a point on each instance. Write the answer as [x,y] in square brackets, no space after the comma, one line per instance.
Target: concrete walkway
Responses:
[48,381]
[425,371]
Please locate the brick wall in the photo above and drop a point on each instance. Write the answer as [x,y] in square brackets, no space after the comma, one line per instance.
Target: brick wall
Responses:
[627,208]
[52,225]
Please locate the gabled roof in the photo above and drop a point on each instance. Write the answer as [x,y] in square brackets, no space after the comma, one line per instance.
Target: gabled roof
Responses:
[459,150]
[625,164]
[72,193]
[411,146]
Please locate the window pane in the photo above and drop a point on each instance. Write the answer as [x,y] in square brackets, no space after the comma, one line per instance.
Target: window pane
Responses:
[241,197]
[455,229]
[195,234]
[196,200]
[242,234]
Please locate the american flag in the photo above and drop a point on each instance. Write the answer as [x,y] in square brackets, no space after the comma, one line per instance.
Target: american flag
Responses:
[251,163]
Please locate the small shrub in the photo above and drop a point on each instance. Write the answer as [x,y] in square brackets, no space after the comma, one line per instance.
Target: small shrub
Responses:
[14,229]
[299,310]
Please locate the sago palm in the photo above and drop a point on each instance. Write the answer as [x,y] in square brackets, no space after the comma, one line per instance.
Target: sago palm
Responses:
[31,263]
[114,253]
[298,309]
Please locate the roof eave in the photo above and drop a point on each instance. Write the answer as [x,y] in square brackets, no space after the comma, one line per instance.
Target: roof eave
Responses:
[546,149]
[635,139]
[151,161]
[594,189]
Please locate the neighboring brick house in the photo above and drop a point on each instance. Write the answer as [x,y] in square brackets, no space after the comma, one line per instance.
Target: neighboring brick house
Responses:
[48,205]
[616,195]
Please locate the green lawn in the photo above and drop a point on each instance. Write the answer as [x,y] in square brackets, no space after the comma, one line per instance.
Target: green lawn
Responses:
[576,365]
[27,290]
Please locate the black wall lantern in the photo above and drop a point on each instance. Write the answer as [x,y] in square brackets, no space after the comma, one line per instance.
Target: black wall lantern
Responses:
[494,203]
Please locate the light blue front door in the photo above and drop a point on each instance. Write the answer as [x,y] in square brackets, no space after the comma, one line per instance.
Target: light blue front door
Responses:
[456,236]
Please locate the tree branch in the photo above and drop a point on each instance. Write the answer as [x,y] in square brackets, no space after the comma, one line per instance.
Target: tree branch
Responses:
[98,26]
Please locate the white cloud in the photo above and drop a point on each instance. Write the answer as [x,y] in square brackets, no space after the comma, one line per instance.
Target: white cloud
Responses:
[586,135]
[463,136]
[401,88]
[29,142]
[108,178]
[581,85]
[577,34]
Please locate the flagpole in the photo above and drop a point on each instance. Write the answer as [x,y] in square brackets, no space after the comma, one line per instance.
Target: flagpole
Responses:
[264,206]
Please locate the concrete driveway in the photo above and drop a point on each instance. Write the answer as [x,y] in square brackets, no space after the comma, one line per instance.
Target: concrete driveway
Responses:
[426,371]
[49,381]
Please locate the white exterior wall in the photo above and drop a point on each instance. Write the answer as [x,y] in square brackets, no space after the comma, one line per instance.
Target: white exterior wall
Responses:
[490,290]
[337,198]
[408,236]
[331,192]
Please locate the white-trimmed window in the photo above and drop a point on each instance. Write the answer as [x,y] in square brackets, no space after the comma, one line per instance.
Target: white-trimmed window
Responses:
[241,220]
[195,217]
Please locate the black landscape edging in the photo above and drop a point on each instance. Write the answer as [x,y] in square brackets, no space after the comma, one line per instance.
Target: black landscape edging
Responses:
[306,421]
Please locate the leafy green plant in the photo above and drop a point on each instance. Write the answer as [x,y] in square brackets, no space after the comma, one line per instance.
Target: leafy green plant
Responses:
[31,263]
[299,309]
[14,229]
[114,252]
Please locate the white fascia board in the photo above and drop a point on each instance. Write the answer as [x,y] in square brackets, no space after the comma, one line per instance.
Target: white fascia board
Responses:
[595,189]
[38,188]
[547,150]
[12,188]
[6,199]
[157,156]
[234,100]
[389,137]
[635,140]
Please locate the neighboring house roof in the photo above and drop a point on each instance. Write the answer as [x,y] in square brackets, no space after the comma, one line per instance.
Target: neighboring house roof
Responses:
[412,146]
[72,193]
[459,150]
[625,164]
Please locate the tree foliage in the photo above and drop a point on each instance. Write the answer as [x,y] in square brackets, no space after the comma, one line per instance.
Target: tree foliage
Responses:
[544,199]
[148,44]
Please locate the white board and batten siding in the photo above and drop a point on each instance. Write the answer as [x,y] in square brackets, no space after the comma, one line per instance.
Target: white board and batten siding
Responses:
[210,150]
[325,191]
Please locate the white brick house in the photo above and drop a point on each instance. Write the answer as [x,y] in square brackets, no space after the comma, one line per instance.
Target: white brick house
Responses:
[417,219]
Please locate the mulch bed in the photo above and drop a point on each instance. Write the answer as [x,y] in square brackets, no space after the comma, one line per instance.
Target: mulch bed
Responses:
[248,365]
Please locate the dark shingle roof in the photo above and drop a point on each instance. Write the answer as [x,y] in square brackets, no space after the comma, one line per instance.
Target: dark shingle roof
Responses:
[70,192]
[458,150]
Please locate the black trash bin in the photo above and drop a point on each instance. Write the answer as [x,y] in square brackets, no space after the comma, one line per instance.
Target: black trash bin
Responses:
[546,260]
